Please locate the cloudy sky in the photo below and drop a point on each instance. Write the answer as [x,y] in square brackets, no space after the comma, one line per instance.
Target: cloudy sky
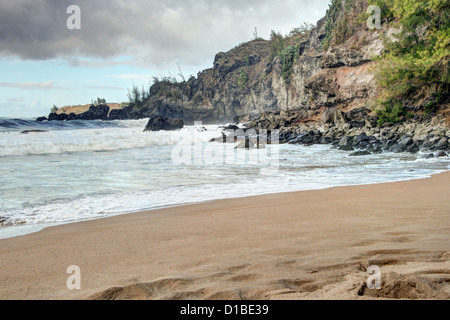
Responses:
[121,43]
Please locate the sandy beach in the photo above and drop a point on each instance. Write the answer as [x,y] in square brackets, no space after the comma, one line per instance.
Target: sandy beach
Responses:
[301,245]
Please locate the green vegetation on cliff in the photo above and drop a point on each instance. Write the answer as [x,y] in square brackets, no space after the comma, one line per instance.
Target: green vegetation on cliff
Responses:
[342,19]
[415,66]
[288,58]
[413,71]
[287,48]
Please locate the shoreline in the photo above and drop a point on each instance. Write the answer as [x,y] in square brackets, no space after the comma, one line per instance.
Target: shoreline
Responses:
[34,228]
[312,244]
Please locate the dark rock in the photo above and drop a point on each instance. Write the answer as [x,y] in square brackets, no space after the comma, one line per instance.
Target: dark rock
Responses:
[122,114]
[428,156]
[361,138]
[163,123]
[295,140]
[440,154]
[40,119]
[57,117]
[406,141]
[345,141]
[413,148]
[360,153]
[388,144]
[33,131]
[441,144]
[99,112]
[305,138]
[333,116]
[335,143]
[326,140]
[397,148]
[286,136]
[375,147]
[72,116]
[346,148]
[231,127]
[357,124]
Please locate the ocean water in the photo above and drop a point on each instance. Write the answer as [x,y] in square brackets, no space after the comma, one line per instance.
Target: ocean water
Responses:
[81,170]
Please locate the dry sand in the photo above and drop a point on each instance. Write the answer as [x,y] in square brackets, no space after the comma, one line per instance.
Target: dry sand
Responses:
[302,245]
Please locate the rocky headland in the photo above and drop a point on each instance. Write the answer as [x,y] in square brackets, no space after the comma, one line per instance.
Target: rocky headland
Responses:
[320,86]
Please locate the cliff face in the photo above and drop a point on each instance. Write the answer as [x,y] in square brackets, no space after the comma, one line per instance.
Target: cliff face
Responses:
[239,83]
[319,71]
[249,80]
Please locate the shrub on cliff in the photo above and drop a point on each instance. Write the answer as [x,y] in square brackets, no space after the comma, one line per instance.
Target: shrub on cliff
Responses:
[342,19]
[242,79]
[392,111]
[54,109]
[416,65]
[288,58]
[277,43]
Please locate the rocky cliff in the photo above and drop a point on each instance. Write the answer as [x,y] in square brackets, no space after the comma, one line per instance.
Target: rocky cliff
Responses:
[306,76]
[250,79]
[317,72]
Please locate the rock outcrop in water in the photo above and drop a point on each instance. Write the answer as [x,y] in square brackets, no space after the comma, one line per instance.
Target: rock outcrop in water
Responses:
[163,123]
[99,112]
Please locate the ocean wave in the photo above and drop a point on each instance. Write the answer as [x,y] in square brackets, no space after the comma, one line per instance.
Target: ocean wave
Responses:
[129,136]
[12,125]
[97,206]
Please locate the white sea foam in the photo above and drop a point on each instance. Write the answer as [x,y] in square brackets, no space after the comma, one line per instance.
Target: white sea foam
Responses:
[129,136]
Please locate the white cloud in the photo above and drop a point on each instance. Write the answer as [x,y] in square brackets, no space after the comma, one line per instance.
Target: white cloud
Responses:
[156,33]
[15,99]
[47,85]
[131,76]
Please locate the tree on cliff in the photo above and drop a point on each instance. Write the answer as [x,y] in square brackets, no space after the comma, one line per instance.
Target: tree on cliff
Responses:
[134,95]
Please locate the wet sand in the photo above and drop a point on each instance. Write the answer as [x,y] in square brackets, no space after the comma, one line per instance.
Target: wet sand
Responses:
[300,245]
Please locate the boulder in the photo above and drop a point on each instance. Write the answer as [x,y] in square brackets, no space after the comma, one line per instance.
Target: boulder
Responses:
[398,148]
[360,138]
[406,141]
[440,154]
[359,153]
[413,148]
[345,141]
[163,123]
